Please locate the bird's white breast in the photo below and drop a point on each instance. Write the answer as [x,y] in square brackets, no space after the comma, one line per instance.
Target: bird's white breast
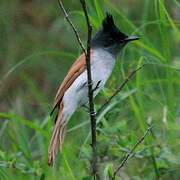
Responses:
[102,64]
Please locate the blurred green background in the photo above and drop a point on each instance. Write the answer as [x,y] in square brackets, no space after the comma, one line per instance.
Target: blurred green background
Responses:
[37,46]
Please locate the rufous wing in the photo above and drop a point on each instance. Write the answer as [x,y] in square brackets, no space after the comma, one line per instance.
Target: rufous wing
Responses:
[76,69]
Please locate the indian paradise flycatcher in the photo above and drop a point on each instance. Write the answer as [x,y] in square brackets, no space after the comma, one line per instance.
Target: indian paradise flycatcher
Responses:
[73,92]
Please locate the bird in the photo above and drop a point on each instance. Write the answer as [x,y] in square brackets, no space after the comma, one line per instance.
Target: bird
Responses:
[72,94]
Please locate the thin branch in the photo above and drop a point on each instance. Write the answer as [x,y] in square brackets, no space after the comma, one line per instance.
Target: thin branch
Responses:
[131,152]
[119,88]
[90,93]
[72,25]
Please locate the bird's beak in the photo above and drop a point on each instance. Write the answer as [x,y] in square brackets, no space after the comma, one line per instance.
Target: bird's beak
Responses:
[131,38]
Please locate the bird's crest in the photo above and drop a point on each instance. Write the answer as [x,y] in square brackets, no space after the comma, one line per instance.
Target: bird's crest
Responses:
[108,22]
[110,27]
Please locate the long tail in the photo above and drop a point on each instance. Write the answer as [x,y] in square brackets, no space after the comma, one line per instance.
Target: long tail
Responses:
[57,138]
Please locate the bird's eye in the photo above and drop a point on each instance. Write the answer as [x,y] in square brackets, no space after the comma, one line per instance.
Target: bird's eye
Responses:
[110,40]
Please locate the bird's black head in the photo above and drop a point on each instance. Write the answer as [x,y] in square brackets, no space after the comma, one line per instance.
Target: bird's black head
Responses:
[109,37]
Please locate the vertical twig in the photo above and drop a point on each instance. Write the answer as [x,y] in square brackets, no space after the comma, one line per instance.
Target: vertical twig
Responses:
[90,93]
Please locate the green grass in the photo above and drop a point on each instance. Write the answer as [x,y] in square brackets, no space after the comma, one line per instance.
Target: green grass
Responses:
[37,47]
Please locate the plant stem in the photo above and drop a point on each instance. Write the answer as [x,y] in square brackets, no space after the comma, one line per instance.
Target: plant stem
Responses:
[90,93]
[131,152]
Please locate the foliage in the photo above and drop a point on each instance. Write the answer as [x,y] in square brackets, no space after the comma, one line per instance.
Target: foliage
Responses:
[37,47]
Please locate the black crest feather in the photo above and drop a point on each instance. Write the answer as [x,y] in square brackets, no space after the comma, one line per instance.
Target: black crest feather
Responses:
[108,22]
[110,27]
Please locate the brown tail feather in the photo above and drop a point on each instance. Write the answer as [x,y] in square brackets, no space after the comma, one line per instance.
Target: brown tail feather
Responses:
[57,138]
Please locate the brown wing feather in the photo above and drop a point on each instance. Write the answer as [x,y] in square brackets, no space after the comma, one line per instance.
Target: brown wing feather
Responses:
[76,69]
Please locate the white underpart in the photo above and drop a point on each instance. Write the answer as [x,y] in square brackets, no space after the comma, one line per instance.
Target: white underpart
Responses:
[77,95]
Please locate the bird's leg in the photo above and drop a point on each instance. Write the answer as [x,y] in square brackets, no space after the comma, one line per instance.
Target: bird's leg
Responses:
[97,86]
[86,106]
